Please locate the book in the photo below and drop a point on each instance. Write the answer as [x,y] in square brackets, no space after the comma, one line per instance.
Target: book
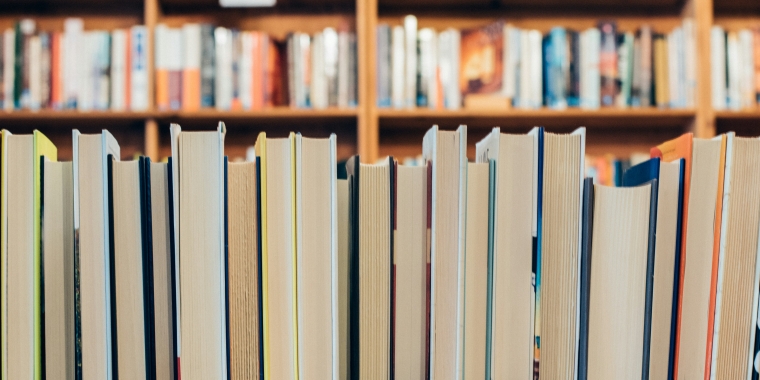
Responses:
[622,265]
[511,269]
[557,242]
[23,165]
[138,61]
[718,67]
[371,258]
[58,258]
[164,270]
[176,59]
[410,269]
[191,71]
[317,256]
[119,68]
[243,270]
[208,68]
[93,277]
[477,253]
[481,57]
[4,134]
[398,66]
[445,151]
[585,275]
[223,65]
[410,55]
[664,288]
[608,63]
[132,275]
[383,64]
[278,256]
[344,245]
[661,80]
[737,277]
[199,181]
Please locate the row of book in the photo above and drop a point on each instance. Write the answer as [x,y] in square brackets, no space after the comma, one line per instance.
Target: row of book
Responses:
[500,65]
[735,62]
[73,69]
[511,266]
[199,65]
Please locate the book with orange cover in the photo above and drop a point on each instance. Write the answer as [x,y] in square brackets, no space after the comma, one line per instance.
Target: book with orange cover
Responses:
[678,148]
[191,72]
[162,72]
[257,72]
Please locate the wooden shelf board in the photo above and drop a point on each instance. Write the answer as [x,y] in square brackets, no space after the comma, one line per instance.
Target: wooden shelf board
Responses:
[194,6]
[265,113]
[573,117]
[72,115]
[748,114]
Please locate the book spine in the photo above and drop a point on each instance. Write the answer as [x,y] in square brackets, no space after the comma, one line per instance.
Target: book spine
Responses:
[574,67]
[73,29]
[625,69]
[207,65]
[139,71]
[453,95]
[45,69]
[223,77]
[85,73]
[235,46]
[383,65]
[397,68]
[635,99]
[756,54]
[343,68]
[536,79]
[718,67]
[608,65]
[353,74]
[747,68]
[118,63]
[246,69]
[257,71]
[191,75]
[103,74]
[690,66]
[33,72]
[410,55]
[9,55]
[174,66]
[645,89]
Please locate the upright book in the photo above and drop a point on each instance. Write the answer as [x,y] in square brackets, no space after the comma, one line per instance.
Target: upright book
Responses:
[511,337]
[371,197]
[445,151]
[198,182]
[23,171]
[92,262]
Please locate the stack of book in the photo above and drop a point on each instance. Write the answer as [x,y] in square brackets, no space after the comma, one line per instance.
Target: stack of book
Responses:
[511,266]
[735,63]
[73,69]
[500,65]
[201,66]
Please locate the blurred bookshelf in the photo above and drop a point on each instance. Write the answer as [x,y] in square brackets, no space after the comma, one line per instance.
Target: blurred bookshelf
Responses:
[370,130]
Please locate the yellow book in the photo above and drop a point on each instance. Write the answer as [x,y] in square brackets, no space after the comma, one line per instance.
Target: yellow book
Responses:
[261,152]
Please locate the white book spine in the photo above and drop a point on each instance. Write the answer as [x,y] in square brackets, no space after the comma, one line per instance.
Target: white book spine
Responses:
[397,67]
[690,61]
[673,71]
[73,66]
[191,49]
[594,85]
[223,80]
[733,72]
[118,69]
[139,70]
[343,68]
[317,93]
[718,67]
[583,73]
[410,55]
[746,49]
[536,75]
[85,74]
[525,69]
[35,74]
[453,95]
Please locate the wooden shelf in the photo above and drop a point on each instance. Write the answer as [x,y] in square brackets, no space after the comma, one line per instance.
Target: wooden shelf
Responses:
[537,6]
[569,118]
[749,114]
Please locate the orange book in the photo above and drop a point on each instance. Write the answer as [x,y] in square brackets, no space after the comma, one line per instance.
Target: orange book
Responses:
[162,71]
[679,148]
[756,40]
[716,256]
[191,73]
[56,90]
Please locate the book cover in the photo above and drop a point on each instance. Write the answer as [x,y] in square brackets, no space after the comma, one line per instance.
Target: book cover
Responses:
[481,59]
[608,63]
[208,68]
[585,280]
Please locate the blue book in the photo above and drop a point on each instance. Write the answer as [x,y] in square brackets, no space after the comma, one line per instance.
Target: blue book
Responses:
[557,69]
[660,172]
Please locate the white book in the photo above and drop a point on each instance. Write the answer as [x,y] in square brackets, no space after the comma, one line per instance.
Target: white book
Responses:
[525,69]
[223,78]
[91,154]
[139,69]
[427,57]
[191,70]
[718,66]
[674,70]
[747,69]
[511,56]
[343,68]
[175,60]
[87,76]
[690,62]
[511,334]
[119,69]
[536,75]
[317,90]
[35,74]
[317,256]
[397,67]
[734,72]
[245,76]
[304,70]
[583,73]
[453,95]
[9,43]
[331,65]
[443,50]
[410,55]
[594,79]
[73,66]
[198,185]
[446,151]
